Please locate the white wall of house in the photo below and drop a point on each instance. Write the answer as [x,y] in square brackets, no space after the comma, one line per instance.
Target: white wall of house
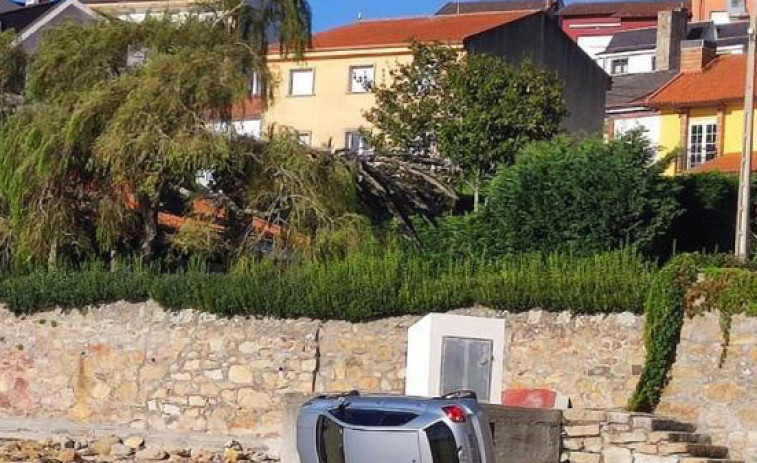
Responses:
[251,127]
[636,62]
[652,126]
[593,45]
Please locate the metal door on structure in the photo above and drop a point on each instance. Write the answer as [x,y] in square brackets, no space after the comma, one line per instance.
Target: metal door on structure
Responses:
[466,364]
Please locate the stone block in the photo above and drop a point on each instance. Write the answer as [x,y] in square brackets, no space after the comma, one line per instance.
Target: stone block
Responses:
[617,455]
[644,458]
[134,442]
[593,444]
[584,457]
[627,437]
[573,444]
[589,430]
[647,448]
[573,415]
[618,417]
[151,454]
[240,374]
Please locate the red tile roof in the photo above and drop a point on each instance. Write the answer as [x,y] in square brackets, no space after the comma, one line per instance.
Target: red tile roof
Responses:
[623,9]
[388,32]
[720,81]
[728,164]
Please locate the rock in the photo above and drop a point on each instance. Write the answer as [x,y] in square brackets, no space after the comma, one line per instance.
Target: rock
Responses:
[134,442]
[231,455]
[617,455]
[120,450]
[66,443]
[151,454]
[579,431]
[232,444]
[583,457]
[240,374]
[103,445]
[68,455]
[202,456]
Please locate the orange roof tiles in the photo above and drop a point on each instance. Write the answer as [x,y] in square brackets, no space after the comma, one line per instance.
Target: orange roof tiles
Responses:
[720,81]
[728,164]
[401,31]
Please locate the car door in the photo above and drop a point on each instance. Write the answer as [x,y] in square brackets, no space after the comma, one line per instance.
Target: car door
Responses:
[381,446]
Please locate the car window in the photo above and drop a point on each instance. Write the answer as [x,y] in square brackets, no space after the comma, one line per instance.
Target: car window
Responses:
[368,417]
[330,441]
[442,443]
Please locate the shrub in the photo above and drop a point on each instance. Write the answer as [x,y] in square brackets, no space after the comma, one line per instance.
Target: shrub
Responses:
[582,196]
[360,287]
[708,219]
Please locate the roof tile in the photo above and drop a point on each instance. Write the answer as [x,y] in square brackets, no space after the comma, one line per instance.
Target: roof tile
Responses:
[389,32]
[728,164]
[623,9]
[720,81]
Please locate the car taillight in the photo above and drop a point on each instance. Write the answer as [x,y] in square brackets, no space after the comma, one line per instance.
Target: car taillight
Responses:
[455,413]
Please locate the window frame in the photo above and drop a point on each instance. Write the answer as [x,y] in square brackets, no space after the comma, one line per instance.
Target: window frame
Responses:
[347,142]
[701,146]
[305,133]
[351,80]
[613,64]
[292,72]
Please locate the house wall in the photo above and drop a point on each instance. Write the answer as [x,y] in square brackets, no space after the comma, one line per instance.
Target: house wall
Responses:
[332,110]
[732,130]
[540,40]
[637,62]
[650,124]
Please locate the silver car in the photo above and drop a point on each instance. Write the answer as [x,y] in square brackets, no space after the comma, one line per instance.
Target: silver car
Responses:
[354,428]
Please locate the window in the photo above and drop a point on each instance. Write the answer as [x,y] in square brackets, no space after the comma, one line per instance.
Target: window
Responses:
[330,441]
[366,417]
[304,138]
[256,85]
[703,140]
[442,443]
[619,66]
[355,142]
[301,82]
[361,78]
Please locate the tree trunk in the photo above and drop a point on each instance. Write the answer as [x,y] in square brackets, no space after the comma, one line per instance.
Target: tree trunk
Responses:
[149,213]
[52,256]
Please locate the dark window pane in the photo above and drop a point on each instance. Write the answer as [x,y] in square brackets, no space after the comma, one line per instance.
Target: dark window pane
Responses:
[330,441]
[365,417]
[442,443]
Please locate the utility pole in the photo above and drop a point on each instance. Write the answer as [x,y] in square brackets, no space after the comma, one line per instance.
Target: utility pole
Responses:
[743,219]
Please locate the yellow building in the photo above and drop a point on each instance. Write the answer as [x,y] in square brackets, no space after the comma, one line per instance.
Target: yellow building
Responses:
[323,96]
[702,110]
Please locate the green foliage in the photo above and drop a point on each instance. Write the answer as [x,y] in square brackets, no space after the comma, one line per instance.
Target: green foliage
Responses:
[362,286]
[708,219]
[497,109]
[664,312]
[409,112]
[582,195]
[12,65]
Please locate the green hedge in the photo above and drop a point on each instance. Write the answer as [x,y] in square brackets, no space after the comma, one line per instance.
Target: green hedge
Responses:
[360,287]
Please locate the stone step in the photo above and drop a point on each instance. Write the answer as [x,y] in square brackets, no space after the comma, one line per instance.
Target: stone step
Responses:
[665,424]
[676,436]
[707,460]
[693,450]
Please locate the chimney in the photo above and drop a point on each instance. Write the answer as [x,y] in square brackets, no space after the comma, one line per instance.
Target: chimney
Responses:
[696,54]
[671,30]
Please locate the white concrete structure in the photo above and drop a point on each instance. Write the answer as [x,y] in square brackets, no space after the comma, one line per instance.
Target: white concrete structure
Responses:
[450,352]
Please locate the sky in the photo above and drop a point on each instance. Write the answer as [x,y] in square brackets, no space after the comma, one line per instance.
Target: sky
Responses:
[330,13]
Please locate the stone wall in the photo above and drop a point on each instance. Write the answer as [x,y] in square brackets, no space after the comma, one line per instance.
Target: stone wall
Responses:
[720,400]
[140,368]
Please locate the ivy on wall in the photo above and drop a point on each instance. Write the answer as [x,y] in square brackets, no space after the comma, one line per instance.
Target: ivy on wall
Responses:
[676,292]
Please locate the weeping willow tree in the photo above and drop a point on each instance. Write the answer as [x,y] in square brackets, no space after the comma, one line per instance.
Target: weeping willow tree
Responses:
[119,117]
